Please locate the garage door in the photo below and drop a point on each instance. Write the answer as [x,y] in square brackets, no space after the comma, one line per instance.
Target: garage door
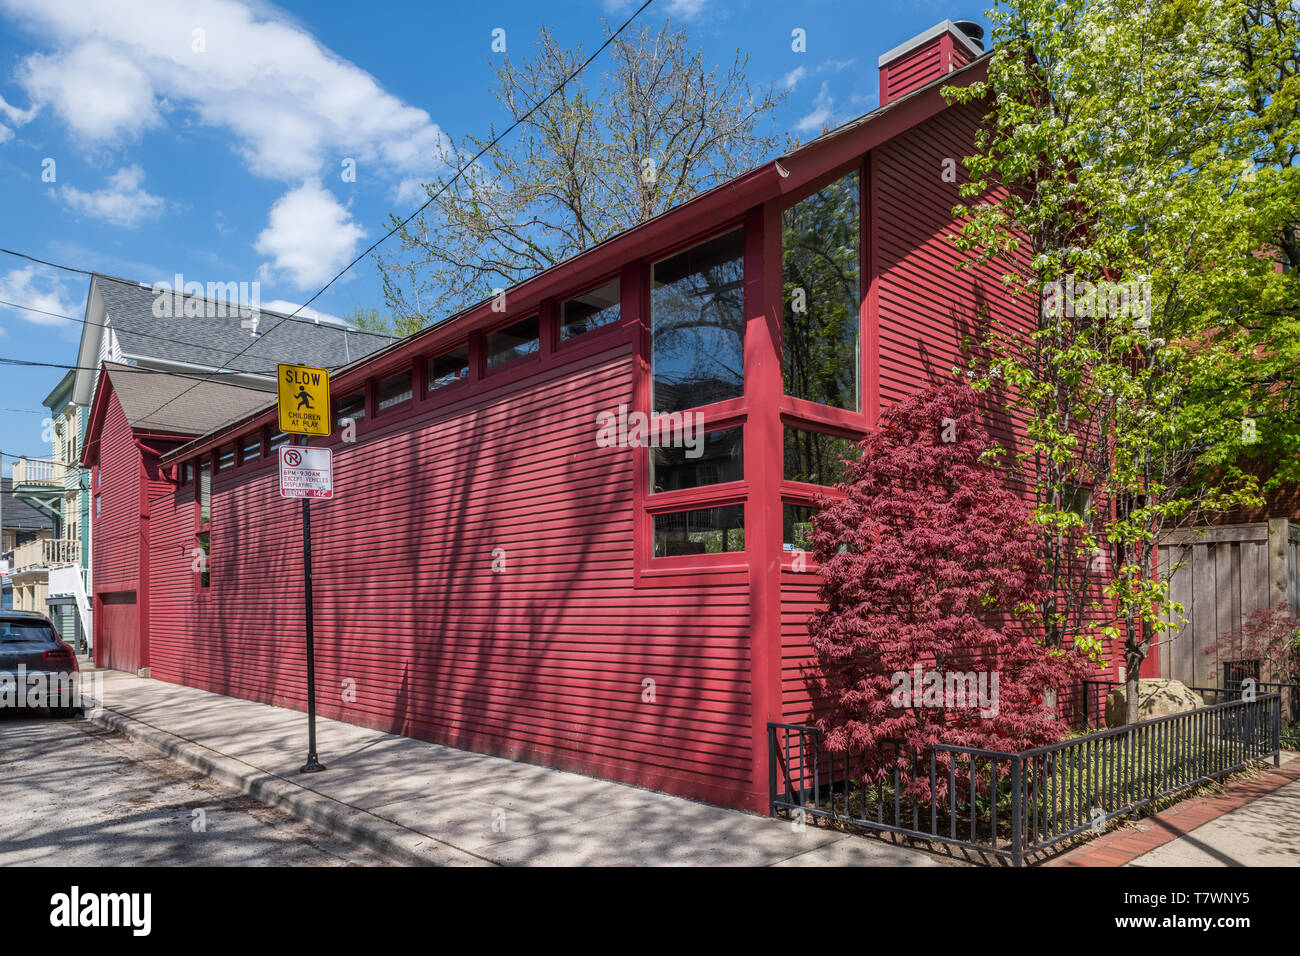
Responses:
[118,631]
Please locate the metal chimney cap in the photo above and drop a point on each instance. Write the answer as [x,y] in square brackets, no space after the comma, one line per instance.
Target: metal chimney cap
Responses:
[972,30]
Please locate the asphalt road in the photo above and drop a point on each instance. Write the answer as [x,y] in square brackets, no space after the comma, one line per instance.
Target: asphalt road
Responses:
[74,794]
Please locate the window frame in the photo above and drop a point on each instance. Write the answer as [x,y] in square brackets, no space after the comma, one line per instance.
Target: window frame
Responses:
[539,314]
[812,415]
[428,391]
[635,291]
[202,528]
[721,406]
[559,342]
[411,385]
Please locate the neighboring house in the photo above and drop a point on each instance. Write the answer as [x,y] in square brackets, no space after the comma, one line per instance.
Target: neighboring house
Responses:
[186,335]
[24,533]
[58,488]
[131,324]
[504,567]
[163,379]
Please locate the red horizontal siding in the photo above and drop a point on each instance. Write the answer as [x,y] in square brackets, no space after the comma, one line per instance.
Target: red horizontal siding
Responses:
[543,662]
[115,537]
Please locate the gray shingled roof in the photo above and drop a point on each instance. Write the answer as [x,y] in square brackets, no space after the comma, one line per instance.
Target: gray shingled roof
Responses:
[18,514]
[215,340]
[172,403]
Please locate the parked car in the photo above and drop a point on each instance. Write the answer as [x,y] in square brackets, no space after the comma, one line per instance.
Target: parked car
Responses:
[30,645]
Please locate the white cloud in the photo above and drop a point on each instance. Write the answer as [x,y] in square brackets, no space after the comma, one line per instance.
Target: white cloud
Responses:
[294,108]
[95,88]
[124,202]
[681,9]
[13,115]
[310,236]
[686,9]
[410,192]
[820,115]
[38,291]
[794,76]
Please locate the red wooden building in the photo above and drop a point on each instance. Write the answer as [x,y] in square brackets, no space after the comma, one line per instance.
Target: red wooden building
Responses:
[499,570]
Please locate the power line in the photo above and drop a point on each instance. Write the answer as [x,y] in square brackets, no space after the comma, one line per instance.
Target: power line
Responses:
[197,376]
[136,284]
[447,185]
[39,461]
[105,325]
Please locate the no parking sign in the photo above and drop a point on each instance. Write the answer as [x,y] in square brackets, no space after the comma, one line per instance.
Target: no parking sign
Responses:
[306,472]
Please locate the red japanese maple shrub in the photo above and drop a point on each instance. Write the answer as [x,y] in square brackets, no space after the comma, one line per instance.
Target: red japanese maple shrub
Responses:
[924,564]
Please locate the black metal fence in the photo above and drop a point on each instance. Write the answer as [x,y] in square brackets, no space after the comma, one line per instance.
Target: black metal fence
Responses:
[1009,805]
[1289,709]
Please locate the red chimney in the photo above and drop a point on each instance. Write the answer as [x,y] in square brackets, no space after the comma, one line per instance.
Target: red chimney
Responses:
[944,47]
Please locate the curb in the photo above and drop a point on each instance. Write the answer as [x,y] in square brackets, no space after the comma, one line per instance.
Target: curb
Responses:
[396,843]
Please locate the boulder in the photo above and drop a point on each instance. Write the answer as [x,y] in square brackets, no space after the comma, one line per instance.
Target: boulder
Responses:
[1156,698]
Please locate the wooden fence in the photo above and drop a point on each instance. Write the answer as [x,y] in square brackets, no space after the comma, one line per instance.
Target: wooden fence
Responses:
[1223,574]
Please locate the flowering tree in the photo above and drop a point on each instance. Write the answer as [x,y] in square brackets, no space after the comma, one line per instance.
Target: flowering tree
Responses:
[1142,159]
[927,563]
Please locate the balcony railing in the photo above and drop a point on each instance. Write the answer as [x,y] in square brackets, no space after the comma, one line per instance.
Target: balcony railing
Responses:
[47,552]
[28,472]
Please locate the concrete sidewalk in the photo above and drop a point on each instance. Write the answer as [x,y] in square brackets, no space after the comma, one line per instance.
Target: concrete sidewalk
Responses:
[421,803]
[1251,821]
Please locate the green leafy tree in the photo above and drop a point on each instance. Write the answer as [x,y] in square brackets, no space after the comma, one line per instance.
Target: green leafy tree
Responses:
[1136,185]
[369,318]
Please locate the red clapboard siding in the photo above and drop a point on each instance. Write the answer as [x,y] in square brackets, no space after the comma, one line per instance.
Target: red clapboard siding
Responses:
[115,535]
[798,664]
[545,661]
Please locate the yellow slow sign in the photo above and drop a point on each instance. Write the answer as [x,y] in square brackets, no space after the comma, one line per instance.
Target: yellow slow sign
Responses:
[304,394]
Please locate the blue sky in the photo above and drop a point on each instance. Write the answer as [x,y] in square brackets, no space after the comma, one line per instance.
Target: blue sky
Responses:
[224,163]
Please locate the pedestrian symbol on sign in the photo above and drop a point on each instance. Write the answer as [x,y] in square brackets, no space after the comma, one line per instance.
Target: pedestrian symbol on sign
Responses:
[304,400]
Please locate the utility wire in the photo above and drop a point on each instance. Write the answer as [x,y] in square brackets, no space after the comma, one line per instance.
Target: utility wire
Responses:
[445,186]
[146,335]
[195,376]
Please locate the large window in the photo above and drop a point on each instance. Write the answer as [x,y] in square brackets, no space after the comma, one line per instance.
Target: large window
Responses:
[591,310]
[816,458]
[821,256]
[716,457]
[700,531]
[512,342]
[697,301]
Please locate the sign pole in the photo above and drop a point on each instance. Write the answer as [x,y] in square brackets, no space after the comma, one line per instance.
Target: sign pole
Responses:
[303,403]
[312,765]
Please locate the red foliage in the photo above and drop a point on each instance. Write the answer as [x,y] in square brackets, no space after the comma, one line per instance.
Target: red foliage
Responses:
[1266,634]
[924,563]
